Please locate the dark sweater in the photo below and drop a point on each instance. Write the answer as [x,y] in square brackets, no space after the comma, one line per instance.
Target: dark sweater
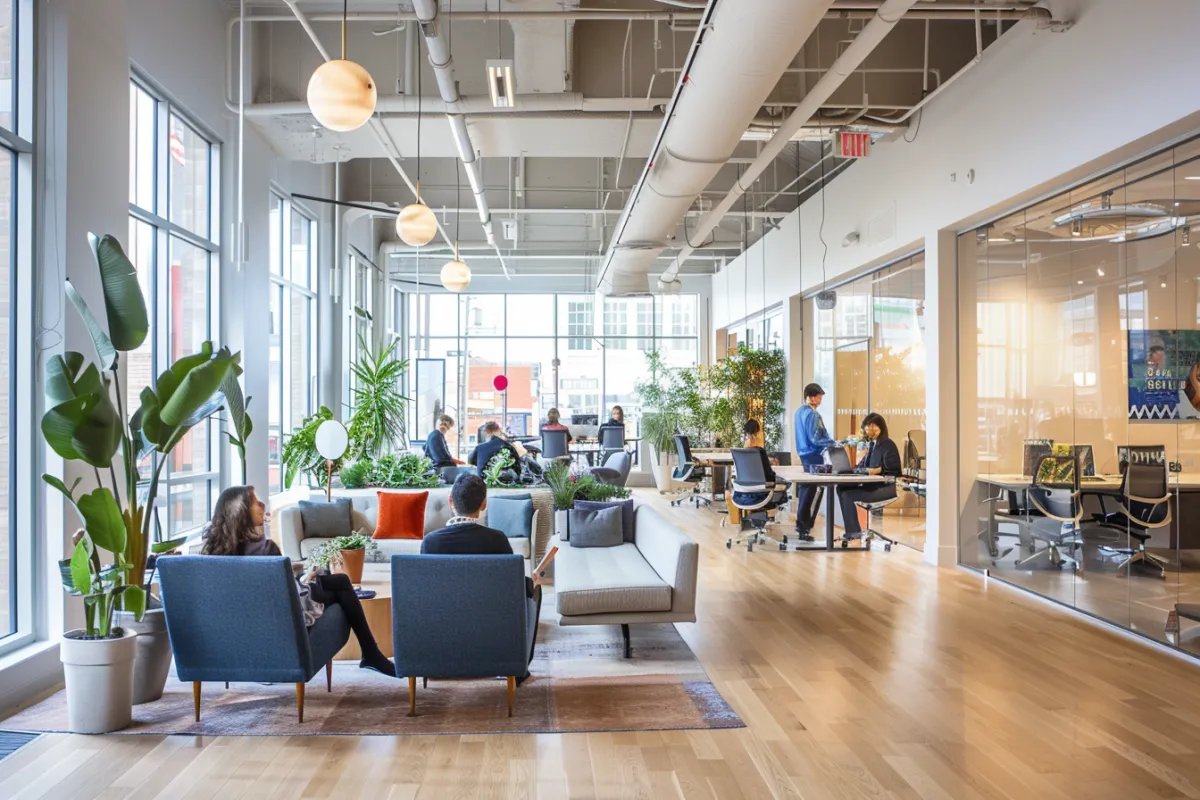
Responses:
[482,455]
[469,539]
[437,451]
[884,456]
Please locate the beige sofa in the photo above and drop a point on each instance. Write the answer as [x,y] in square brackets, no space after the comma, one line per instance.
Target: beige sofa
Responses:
[288,528]
[652,579]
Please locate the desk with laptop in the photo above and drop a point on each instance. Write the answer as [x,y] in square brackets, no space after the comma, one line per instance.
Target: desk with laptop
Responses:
[838,471]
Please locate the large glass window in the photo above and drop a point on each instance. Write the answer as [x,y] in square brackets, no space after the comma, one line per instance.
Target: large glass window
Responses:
[173,242]
[16,323]
[293,347]
[547,346]
[1079,384]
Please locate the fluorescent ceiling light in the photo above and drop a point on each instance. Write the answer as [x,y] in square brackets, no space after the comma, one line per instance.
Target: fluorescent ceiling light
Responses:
[500,83]
[1191,177]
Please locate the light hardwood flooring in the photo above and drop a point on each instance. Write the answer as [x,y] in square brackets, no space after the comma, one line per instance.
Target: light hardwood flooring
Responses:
[860,675]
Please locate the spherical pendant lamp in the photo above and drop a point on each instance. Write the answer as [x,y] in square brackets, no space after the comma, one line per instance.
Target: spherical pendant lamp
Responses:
[341,95]
[416,224]
[456,276]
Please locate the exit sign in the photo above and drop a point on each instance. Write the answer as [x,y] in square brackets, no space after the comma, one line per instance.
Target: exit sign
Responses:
[853,144]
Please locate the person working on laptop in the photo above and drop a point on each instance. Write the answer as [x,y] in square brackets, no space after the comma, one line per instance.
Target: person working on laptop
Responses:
[554,423]
[811,442]
[882,458]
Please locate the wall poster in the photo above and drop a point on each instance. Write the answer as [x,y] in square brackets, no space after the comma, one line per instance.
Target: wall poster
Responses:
[1164,375]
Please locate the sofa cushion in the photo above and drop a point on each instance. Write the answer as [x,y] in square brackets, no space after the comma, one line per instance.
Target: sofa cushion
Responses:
[401,515]
[596,527]
[626,507]
[325,520]
[607,580]
[511,515]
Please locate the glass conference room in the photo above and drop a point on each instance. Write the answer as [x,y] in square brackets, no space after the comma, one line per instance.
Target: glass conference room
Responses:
[1079,322]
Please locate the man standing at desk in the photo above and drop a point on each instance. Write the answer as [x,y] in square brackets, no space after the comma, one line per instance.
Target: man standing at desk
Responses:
[811,441]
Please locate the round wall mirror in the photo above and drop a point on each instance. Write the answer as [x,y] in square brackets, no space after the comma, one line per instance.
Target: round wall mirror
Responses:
[332,439]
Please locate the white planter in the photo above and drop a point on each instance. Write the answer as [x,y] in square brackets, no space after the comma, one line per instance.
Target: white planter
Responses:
[153,662]
[562,528]
[99,678]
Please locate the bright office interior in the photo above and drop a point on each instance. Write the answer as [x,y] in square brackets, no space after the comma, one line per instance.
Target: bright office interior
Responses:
[1014,258]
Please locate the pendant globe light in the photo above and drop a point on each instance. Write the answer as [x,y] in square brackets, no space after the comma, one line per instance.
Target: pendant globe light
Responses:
[456,276]
[341,93]
[415,224]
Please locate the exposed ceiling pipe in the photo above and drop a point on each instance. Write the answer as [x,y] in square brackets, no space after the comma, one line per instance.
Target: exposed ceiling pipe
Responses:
[443,68]
[567,102]
[736,60]
[890,13]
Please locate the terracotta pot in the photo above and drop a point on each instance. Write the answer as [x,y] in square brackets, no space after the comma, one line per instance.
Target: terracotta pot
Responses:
[352,564]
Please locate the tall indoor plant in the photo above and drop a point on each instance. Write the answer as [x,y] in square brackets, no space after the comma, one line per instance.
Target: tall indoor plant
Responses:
[663,413]
[86,422]
[377,423]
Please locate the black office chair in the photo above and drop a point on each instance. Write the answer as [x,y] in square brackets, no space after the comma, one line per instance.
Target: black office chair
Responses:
[687,472]
[1144,505]
[555,446]
[612,440]
[756,497]
[1055,494]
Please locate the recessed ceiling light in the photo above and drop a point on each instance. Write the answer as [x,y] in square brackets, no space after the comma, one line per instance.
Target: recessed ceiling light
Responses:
[1100,272]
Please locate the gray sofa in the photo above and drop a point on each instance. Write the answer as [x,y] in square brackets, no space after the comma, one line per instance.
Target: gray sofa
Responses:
[652,579]
[288,529]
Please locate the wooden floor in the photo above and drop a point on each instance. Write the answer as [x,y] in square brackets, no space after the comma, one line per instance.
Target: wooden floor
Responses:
[859,675]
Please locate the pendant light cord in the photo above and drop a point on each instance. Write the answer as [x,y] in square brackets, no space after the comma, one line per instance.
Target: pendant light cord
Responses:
[418,38]
[345,13]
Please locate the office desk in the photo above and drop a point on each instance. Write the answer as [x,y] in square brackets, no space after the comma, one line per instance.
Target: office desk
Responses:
[797,477]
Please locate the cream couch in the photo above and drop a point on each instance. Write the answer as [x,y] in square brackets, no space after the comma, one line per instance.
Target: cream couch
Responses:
[288,528]
[652,579]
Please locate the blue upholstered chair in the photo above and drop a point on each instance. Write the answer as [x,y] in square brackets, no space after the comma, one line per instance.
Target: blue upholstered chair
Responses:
[481,629]
[239,619]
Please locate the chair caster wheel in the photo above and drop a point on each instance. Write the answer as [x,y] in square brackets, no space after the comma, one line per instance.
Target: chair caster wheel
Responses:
[729,544]
[888,547]
[785,540]
[783,547]
[845,543]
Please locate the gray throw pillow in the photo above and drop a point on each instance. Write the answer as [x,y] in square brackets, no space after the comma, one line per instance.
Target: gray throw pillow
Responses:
[325,520]
[626,507]
[596,527]
[512,516]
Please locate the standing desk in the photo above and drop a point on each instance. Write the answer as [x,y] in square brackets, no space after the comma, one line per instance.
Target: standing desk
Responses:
[797,477]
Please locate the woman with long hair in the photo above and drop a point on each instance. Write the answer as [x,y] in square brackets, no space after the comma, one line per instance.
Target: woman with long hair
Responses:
[236,529]
[882,458]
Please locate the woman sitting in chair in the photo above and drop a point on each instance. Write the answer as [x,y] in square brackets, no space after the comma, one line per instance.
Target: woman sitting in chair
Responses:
[752,437]
[554,423]
[237,530]
[882,458]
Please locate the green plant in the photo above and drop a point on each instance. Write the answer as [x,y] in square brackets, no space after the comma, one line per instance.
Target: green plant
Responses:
[86,422]
[756,382]
[663,413]
[377,421]
[300,456]
[492,474]
[406,470]
[239,420]
[358,474]
[588,488]
[328,555]
[562,487]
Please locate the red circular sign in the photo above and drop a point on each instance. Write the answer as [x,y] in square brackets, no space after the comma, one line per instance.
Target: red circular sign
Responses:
[500,382]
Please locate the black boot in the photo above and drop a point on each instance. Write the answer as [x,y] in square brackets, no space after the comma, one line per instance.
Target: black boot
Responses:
[377,661]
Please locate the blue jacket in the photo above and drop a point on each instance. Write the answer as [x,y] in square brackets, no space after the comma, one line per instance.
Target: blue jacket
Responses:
[811,436]
[437,451]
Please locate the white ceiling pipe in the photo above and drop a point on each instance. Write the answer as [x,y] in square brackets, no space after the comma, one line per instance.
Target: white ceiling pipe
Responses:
[443,67]
[567,102]
[735,62]
[851,58]
[571,211]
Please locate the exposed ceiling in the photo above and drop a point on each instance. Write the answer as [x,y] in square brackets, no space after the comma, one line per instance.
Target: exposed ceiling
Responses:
[558,168]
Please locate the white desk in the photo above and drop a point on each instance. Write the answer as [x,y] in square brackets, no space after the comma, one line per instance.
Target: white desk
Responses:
[797,476]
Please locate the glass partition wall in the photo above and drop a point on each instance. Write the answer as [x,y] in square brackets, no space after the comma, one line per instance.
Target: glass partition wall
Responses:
[870,356]
[1079,359]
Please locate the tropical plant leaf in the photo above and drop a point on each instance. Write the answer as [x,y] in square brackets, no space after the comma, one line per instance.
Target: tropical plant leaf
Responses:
[196,383]
[377,421]
[235,403]
[128,323]
[67,378]
[57,483]
[102,519]
[81,566]
[86,429]
[167,546]
[133,599]
[106,353]
[300,456]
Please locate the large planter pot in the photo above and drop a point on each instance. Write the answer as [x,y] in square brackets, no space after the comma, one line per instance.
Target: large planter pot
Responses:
[153,661]
[562,524]
[352,564]
[99,678]
[662,477]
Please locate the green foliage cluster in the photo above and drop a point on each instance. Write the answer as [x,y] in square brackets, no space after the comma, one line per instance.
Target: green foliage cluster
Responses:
[566,488]
[493,472]
[329,554]
[392,471]
[300,456]
[377,423]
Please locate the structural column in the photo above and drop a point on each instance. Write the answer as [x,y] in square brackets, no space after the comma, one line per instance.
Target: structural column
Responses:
[941,398]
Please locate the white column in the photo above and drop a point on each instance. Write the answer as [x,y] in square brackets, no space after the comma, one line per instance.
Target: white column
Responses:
[941,375]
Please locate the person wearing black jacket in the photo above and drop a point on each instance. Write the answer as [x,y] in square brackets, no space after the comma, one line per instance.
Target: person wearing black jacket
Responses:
[463,535]
[486,450]
[882,458]
[436,449]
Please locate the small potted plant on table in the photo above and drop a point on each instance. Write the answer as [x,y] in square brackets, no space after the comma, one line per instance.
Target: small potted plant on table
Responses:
[345,554]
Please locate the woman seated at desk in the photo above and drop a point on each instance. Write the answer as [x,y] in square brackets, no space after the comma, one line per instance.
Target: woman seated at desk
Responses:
[882,458]
[554,423]
[752,437]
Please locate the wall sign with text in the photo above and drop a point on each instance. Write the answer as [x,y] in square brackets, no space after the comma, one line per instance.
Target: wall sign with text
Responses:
[1164,375]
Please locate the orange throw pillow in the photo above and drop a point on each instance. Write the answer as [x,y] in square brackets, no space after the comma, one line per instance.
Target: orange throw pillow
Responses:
[401,515]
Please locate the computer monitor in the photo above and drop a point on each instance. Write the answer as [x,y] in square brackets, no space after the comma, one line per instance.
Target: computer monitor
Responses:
[839,461]
[585,419]
[1035,451]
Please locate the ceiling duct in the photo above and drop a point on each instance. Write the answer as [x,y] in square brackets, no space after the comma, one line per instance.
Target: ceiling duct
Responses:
[740,52]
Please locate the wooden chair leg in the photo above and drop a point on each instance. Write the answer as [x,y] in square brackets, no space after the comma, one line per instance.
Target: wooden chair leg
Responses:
[196,698]
[424,683]
[512,690]
[412,695]
[300,701]
[329,676]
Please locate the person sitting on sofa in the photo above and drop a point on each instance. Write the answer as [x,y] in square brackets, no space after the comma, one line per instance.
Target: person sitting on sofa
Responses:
[465,536]
[488,449]
[236,529]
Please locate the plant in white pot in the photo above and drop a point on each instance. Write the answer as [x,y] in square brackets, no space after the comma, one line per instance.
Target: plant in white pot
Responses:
[664,399]
[86,422]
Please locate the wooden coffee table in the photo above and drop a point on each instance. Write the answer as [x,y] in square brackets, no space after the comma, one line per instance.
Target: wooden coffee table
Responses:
[378,611]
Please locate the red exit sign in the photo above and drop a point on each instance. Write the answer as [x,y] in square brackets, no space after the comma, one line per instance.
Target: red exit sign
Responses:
[852,144]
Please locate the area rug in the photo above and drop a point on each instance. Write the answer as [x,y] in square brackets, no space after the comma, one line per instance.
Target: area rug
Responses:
[580,683]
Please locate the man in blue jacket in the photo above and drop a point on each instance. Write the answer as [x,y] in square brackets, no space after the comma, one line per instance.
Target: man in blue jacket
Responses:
[811,441]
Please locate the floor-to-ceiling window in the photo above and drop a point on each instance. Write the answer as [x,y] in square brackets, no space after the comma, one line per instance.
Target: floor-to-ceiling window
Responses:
[358,320]
[549,349]
[174,224]
[16,322]
[293,346]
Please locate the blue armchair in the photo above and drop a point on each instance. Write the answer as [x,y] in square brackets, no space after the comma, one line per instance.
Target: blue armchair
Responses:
[483,628]
[239,619]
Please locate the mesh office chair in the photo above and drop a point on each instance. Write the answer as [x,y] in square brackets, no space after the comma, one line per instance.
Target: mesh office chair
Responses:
[756,497]
[869,534]
[687,472]
[1055,495]
[554,446]
[1144,505]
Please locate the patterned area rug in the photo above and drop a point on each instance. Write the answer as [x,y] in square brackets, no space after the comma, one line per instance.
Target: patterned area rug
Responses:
[580,683]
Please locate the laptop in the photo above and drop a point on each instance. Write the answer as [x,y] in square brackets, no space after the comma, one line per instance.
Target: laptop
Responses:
[839,461]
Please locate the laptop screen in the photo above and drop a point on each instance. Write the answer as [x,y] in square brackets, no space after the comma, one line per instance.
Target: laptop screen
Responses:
[839,461]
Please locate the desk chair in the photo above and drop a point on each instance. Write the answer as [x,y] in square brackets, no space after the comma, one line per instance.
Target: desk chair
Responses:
[554,446]
[612,440]
[749,478]
[1055,495]
[870,533]
[1143,505]
[687,472]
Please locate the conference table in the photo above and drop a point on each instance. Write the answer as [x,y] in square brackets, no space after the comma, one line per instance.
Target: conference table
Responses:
[798,476]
